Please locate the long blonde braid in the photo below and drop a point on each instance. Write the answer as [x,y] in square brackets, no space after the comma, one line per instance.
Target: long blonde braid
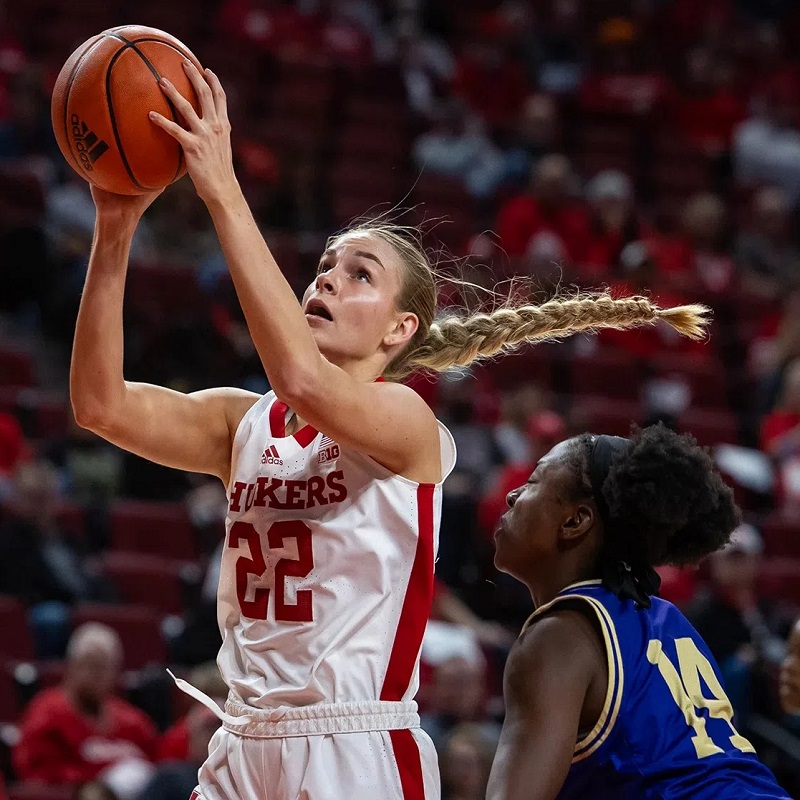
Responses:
[459,341]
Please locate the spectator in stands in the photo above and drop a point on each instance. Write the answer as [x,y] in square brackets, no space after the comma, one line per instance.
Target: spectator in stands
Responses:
[511,433]
[614,222]
[26,137]
[744,630]
[458,695]
[181,228]
[91,473]
[766,252]
[561,49]
[548,207]
[13,451]
[94,790]
[700,252]
[621,81]
[790,673]
[491,82]
[38,562]
[780,437]
[766,147]
[449,607]
[72,733]
[707,109]
[176,780]
[426,65]
[175,744]
[537,133]
[458,148]
[466,760]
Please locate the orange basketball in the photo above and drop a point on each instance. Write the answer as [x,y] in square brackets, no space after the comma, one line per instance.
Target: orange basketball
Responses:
[100,109]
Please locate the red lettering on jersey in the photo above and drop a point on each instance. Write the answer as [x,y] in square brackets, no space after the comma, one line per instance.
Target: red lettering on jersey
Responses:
[316,485]
[335,484]
[236,495]
[266,493]
[294,494]
[251,496]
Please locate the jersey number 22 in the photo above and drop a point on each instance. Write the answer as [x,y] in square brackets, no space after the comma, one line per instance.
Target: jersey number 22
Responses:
[300,567]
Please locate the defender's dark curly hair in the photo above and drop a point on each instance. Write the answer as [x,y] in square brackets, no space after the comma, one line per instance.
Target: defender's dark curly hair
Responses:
[666,502]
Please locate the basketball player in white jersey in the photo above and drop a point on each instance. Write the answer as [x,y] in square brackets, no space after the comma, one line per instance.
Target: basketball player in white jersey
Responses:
[333,479]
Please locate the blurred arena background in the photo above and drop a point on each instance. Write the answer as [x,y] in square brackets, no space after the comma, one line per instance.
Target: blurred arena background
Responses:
[649,144]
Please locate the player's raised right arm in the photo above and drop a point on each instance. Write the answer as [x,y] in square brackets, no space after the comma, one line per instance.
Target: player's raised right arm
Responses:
[186,431]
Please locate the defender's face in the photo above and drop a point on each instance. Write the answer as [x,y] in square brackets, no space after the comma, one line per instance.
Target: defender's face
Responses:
[528,531]
[350,307]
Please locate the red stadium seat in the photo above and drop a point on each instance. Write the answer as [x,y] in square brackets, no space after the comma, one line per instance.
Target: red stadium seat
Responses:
[151,581]
[528,365]
[781,534]
[16,368]
[608,373]
[710,427]
[138,628]
[779,579]
[38,791]
[152,527]
[705,377]
[10,706]
[603,415]
[16,641]
[159,292]
[72,520]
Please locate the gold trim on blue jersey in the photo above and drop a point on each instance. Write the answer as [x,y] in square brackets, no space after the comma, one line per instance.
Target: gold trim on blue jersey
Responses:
[608,716]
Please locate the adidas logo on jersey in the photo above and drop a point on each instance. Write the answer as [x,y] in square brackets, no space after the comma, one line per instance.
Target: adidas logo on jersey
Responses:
[87,143]
[328,450]
[271,456]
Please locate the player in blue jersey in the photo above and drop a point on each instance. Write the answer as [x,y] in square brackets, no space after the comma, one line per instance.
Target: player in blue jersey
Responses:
[610,693]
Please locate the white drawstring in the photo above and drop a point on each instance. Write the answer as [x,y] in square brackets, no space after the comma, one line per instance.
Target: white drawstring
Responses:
[210,704]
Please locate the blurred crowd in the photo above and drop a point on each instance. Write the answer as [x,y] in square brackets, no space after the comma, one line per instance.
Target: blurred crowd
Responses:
[645,145]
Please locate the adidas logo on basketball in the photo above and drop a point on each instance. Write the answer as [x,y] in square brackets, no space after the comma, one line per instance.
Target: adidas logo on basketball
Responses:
[271,456]
[87,143]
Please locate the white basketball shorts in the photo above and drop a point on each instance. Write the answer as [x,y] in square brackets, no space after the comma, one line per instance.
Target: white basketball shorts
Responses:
[347,751]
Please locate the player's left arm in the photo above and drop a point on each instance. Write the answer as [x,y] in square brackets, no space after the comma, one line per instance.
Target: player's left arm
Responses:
[547,677]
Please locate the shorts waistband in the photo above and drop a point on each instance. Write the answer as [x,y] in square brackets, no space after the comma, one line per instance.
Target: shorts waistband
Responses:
[314,720]
[319,719]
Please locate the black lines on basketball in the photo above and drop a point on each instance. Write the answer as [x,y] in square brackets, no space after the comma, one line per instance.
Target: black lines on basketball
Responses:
[113,118]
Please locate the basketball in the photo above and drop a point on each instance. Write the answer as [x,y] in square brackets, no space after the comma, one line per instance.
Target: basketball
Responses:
[100,106]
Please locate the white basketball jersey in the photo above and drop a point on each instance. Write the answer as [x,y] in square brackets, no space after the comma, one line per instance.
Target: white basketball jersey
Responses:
[327,571]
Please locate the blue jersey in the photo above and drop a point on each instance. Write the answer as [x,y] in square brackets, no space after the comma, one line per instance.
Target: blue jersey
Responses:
[666,730]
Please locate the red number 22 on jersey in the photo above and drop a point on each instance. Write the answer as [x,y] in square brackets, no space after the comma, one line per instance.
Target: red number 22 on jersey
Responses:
[300,567]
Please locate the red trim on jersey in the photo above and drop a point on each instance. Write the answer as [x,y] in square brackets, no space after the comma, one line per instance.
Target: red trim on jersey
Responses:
[416,604]
[195,795]
[409,764]
[277,425]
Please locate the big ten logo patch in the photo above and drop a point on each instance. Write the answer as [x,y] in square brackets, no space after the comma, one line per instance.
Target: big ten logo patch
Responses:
[328,450]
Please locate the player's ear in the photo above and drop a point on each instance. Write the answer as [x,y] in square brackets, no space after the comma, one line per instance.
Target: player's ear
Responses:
[577,524]
[404,327]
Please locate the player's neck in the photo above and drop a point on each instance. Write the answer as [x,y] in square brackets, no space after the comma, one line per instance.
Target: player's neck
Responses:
[551,579]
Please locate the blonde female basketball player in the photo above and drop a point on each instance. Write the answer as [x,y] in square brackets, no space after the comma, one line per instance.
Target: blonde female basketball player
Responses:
[334,479]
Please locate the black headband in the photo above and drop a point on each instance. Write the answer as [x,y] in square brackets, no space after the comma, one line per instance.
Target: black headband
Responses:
[626,579]
[604,448]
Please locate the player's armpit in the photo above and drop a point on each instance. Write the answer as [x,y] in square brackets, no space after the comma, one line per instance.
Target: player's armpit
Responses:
[548,675]
[192,432]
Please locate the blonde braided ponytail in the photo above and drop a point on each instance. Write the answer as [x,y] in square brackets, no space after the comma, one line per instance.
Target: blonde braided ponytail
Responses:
[459,341]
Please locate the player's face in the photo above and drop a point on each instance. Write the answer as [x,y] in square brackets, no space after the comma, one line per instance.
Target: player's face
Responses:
[351,307]
[528,533]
